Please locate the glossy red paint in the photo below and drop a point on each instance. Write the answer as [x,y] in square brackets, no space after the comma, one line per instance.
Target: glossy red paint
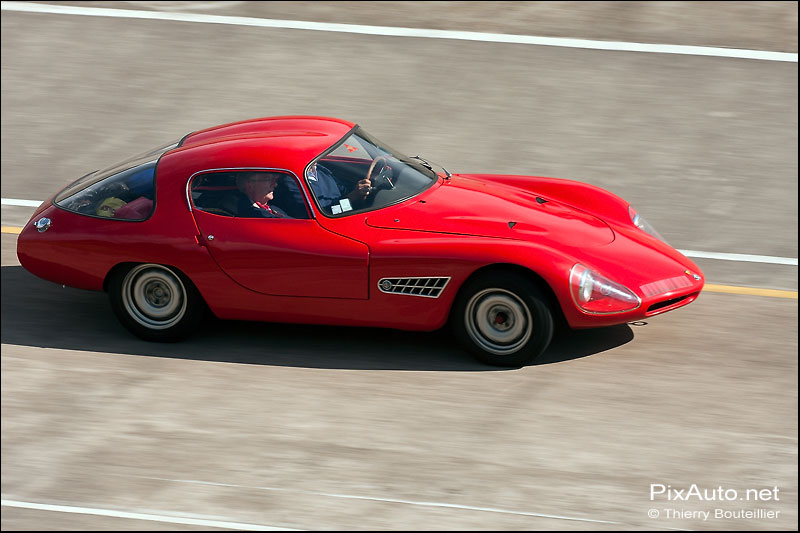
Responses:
[325,270]
[470,207]
[286,257]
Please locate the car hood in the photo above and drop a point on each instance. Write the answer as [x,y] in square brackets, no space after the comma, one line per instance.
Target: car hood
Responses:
[472,207]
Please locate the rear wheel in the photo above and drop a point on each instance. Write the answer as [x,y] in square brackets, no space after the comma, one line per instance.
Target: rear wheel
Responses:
[503,319]
[155,302]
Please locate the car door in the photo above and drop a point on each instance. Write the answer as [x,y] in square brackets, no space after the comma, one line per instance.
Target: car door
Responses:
[277,256]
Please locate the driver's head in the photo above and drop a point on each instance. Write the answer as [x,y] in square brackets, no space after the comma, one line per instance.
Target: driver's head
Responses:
[258,186]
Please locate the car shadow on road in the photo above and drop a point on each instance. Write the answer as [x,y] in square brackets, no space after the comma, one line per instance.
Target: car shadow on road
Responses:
[42,314]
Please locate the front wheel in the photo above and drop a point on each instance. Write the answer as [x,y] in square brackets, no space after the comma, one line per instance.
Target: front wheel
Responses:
[503,320]
[155,302]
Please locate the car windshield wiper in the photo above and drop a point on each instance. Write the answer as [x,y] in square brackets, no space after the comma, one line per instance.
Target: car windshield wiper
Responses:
[427,165]
[424,162]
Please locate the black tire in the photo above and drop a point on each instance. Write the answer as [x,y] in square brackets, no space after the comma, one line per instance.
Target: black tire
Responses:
[503,319]
[155,302]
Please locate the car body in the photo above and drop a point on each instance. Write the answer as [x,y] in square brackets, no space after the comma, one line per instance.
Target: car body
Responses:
[503,258]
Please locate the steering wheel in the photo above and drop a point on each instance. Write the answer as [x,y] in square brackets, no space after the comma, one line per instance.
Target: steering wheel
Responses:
[384,177]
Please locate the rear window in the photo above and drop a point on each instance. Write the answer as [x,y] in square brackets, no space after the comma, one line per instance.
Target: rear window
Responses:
[125,191]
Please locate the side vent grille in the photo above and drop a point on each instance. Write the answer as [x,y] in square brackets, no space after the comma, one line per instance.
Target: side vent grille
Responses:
[427,287]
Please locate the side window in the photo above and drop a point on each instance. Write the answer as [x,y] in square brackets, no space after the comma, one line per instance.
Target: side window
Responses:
[249,194]
[126,195]
[209,192]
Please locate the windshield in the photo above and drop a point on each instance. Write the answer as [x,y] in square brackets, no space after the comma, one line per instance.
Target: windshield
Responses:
[361,173]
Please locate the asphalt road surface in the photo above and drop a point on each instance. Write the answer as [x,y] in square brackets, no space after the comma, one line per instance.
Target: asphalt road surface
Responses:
[299,427]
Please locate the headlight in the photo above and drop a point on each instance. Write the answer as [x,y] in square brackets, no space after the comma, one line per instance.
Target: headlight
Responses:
[597,294]
[642,224]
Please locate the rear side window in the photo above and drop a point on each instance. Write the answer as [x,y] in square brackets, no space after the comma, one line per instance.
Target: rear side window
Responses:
[223,193]
[125,191]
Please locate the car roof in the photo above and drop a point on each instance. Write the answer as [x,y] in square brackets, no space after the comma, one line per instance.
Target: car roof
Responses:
[325,130]
[285,142]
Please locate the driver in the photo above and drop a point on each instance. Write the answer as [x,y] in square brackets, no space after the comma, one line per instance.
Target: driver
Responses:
[330,192]
[255,191]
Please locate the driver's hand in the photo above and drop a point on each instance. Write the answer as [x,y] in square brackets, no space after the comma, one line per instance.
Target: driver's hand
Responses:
[360,193]
[363,187]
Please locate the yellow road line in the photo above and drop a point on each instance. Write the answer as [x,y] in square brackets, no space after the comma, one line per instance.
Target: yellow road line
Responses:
[728,289]
[754,291]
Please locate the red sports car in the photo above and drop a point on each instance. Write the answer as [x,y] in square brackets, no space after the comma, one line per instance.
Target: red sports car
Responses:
[313,220]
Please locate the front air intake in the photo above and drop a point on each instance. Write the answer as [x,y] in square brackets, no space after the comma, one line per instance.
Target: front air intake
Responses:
[670,303]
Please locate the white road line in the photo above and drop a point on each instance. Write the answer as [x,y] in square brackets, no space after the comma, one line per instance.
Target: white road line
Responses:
[747,258]
[402,32]
[141,516]
[389,500]
[741,257]
[21,203]
[183,5]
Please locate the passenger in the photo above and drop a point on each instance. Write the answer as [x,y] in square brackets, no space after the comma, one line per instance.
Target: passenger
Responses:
[255,191]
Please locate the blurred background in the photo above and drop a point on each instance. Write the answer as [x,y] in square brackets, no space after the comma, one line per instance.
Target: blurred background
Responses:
[704,147]
[631,122]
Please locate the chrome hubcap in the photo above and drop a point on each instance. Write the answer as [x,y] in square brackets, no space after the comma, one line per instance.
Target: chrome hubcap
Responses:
[498,321]
[154,296]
